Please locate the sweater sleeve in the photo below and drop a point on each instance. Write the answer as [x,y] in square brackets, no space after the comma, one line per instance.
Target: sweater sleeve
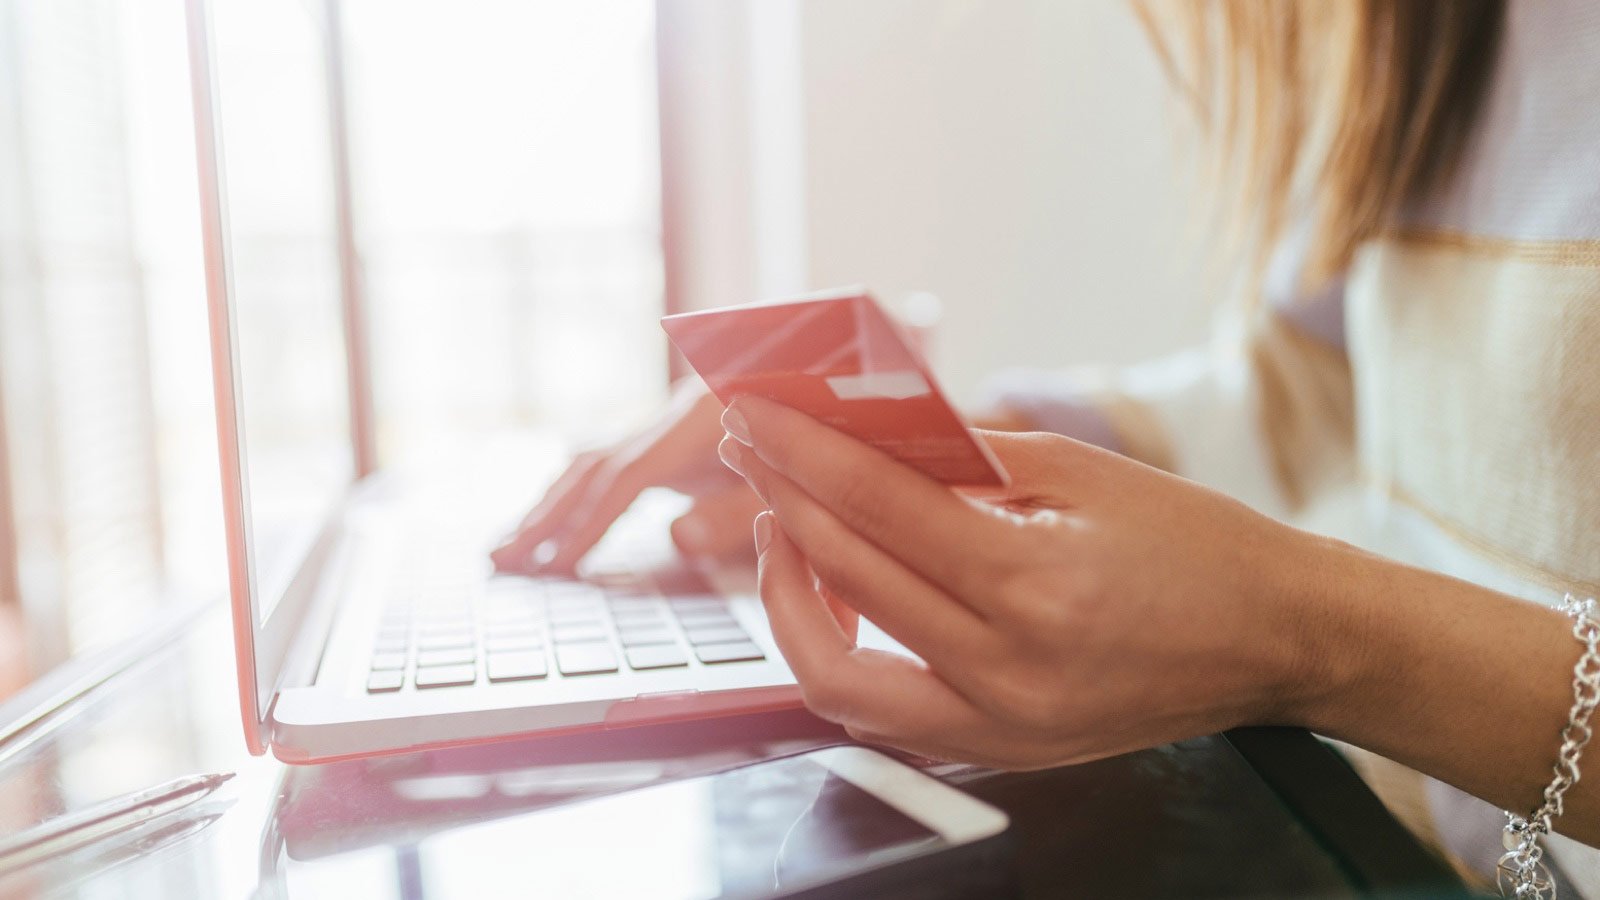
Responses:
[1264,414]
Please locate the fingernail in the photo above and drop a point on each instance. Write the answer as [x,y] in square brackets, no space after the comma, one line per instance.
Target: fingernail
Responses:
[732,453]
[690,534]
[733,422]
[544,554]
[763,531]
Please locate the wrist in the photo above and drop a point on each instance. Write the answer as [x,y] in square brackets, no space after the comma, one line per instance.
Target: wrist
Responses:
[1316,587]
[1454,680]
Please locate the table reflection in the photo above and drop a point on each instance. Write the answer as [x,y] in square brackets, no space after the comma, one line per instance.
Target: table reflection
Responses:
[363,821]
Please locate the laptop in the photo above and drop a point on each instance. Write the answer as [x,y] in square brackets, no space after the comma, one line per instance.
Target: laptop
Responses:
[363,623]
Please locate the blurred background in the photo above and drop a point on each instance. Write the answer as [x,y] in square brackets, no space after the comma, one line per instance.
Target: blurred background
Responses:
[535,182]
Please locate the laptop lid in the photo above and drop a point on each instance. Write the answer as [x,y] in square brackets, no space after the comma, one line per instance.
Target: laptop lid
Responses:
[276,230]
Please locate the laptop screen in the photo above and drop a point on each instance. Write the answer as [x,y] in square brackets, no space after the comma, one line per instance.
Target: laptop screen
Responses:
[280,223]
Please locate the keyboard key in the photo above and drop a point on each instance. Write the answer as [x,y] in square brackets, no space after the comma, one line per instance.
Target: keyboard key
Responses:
[386,682]
[442,616]
[620,613]
[560,591]
[511,620]
[446,641]
[497,643]
[446,676]
[390,645]
[727,653]
[683,605]
[577,616]
[516,629]
[585,659]
[638,617]
[427,625]
[387,661]
[572,634]
[454,656]
[510,586]
[517,666]
[727,634]
[703,615]
[715,620]
[640,637]
[662,656]
[437,615]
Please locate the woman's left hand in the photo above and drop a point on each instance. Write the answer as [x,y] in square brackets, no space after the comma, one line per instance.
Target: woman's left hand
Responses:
[1097,607]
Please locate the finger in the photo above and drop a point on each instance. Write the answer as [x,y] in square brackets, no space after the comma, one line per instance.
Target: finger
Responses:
[925,751]
[846,615]
[986,748]
[549,514]
[940,629]
[938,534]
[608,497]
[717,526]
[881,692]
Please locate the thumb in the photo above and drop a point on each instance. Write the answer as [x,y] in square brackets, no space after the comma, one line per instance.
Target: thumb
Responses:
[717,526]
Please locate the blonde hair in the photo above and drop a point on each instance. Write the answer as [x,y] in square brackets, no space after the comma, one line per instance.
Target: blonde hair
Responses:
[1335,111]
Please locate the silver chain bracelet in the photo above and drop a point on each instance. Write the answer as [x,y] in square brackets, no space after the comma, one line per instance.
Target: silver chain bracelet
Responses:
[1522,873]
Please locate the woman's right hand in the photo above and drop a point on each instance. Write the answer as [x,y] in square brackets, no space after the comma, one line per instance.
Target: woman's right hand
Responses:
[678,452]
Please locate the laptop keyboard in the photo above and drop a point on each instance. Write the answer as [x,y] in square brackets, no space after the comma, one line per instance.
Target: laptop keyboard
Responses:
[520,630]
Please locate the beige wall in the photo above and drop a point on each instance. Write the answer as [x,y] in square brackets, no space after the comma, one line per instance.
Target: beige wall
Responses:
[1015,157]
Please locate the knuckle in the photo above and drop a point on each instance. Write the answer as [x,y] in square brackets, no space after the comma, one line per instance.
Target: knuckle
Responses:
[1039,570]
[617,467]
[861,735]
[1057,446]
[1018,699]
[1044,445]
[1042,450]
[856,495]
[1052,620]
[827,696]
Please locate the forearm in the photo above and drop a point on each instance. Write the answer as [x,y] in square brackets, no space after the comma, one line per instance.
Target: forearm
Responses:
[1456,681]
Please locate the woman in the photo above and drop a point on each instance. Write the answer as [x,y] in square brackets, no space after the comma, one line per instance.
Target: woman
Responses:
[1427,176]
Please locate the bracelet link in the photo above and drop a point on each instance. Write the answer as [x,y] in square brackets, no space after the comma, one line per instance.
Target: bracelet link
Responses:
[1521,872]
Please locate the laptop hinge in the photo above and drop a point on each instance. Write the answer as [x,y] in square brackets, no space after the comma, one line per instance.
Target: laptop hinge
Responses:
[310,645]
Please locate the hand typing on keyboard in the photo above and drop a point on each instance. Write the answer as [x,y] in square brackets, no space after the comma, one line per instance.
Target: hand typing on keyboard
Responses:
[679,452]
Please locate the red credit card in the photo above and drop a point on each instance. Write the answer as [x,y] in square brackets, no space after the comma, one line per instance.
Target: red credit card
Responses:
[841,360]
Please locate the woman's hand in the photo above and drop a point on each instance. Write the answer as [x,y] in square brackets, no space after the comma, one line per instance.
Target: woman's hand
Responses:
[678,452]
[1097,607]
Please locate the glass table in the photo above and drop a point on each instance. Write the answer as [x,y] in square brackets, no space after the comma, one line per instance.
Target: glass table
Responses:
[1260,812]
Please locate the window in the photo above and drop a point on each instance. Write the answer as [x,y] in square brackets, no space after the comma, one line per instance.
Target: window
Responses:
[75,347]
[504,159]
